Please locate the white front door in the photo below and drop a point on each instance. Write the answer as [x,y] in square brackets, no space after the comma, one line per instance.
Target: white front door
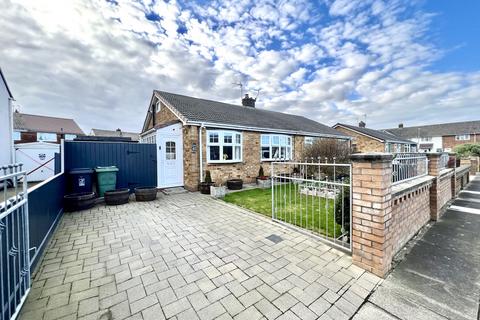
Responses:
[170,156]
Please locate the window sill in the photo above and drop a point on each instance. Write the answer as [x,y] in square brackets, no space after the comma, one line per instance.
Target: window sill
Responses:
[224,162]
[273,160]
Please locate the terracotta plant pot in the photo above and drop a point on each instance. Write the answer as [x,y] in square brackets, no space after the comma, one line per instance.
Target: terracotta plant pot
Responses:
[145,193]
[235,184]
[117,197]
[79,201]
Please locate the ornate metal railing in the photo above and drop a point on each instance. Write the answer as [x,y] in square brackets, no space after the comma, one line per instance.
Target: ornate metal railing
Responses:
[14,241]
[408,166]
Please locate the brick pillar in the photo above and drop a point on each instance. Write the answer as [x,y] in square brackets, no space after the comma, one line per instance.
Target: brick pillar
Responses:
[434,170]
[372,211]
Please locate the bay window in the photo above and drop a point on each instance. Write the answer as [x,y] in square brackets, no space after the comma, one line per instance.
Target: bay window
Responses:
[224,146]
[276,147]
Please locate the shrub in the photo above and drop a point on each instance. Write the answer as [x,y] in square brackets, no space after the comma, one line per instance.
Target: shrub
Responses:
[329,149]
[260,172]
[468,149]
[326,150]
[346,208]
[208,177]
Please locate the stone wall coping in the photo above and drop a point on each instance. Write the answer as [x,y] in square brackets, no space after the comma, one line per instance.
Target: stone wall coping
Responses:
[408,186]
[434,153]
[446,172]
[372,156]
[462,169]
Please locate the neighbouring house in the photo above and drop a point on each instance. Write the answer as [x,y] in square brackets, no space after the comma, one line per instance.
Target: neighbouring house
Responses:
[6,122]
[36,128]
[231,141]
[370,140]
[440,137]
[115,133]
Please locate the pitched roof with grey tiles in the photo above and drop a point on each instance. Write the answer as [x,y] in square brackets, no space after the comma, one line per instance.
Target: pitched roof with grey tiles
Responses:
[378,134]
[437,130]
[196,110]
[115,133]
[36,123]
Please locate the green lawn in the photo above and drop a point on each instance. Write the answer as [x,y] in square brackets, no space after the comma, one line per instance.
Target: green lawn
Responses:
[306,211]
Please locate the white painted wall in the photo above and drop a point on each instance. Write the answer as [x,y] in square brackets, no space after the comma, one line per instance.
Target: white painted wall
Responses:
[6,142]
[437,143]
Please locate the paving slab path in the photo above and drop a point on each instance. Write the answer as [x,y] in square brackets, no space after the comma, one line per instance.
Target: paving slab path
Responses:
[440,277]
[187,256]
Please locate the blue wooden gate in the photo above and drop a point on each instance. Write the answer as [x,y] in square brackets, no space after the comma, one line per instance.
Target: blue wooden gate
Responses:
[137,163]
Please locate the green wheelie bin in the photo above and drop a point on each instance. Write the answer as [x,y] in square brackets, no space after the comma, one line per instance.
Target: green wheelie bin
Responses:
[106,179]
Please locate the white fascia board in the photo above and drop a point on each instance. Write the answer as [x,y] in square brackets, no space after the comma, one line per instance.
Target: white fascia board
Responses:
[266,130]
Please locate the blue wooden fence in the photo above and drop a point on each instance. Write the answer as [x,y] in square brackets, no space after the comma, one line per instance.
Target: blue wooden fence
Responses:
[45,207]
[137,163]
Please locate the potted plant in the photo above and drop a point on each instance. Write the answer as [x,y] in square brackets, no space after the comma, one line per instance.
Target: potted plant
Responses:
[206,184]
[218,192]
[262,180]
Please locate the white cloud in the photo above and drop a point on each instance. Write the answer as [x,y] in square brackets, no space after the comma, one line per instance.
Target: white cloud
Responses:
[98,61]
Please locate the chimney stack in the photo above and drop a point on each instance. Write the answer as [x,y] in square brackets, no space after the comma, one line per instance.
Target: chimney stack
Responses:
[119,132]
[248,101]
[400,125]
[361,124]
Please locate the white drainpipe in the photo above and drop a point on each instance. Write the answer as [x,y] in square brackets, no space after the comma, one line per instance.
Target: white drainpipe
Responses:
[11,129]
[200,147]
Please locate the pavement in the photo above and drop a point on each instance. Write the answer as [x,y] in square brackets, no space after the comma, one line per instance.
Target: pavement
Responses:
[188,256]
[440,277]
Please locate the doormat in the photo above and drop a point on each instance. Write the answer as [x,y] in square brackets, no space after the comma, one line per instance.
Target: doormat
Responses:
[175,190]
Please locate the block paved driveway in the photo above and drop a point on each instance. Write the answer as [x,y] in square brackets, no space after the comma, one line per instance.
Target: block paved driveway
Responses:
[187,256]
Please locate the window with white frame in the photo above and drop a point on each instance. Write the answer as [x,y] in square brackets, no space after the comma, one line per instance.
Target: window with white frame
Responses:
[150,138]
[462,137]
[224,146]
[170,150]
[70,136]
[46,136]
[158,107]
[17,135]
[276,146]
[426,139]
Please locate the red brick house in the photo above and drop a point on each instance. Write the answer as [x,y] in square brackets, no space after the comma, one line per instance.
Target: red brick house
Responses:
[35,128]
[231,141]
[441,136]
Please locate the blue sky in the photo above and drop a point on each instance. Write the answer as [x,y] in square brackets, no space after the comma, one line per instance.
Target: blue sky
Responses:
[456,28]
[98,61]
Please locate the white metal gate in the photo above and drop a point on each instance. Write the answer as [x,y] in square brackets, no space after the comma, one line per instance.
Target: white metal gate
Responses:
[14,241]
[314,196]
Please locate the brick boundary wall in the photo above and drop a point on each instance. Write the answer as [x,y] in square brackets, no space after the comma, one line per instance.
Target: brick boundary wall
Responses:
[410,212]
[385,217]
[462,178]
[473,162]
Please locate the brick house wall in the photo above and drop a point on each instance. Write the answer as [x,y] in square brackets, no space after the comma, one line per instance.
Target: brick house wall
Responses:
[449,142]
[247,169]
[164,116]
[363,143]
